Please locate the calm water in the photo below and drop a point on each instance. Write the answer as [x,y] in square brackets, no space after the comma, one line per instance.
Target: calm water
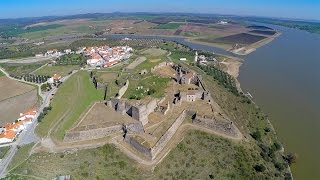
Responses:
[284,79]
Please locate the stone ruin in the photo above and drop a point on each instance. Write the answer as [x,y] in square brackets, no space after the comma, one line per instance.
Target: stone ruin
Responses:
[138,112]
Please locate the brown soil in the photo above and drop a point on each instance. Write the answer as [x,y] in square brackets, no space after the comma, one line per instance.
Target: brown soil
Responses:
[11,88]
[11,108]
[100,114]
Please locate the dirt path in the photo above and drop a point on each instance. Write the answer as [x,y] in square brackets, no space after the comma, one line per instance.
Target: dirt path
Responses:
[136,62]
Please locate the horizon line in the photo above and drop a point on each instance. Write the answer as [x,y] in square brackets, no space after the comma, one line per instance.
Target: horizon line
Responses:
[133,12]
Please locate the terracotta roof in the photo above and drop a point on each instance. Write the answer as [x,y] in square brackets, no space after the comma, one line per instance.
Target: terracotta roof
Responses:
[56,76]
[191,93]
[8,134]
[27,120]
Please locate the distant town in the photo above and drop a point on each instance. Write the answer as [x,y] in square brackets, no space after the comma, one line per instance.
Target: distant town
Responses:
[99,57]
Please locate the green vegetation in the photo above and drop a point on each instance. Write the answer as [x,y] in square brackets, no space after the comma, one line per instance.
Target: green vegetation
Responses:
[313,27]
[222,77]
[153,86]
[12,31]
[3,151]
[106,161]
[72,99]
[228,160]
[176,55]
[169,26]
[1,73]
[17,51]
[191,34]
[109,79]
[18,69]
[61,70]
[21,155]
[72,59]
[216,26]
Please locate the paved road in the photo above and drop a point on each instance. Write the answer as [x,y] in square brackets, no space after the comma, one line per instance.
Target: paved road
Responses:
[26,60]
[28,135]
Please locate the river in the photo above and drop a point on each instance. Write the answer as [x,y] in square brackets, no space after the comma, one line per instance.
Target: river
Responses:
[284,79]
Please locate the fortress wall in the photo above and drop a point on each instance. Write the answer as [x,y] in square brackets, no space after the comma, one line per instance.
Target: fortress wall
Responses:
[168,135]
[151,106]
[123,89]
[92,134]
[226,128]
[135,128]
[139,147]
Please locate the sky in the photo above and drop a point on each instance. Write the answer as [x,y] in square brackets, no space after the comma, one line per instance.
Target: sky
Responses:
[297,9]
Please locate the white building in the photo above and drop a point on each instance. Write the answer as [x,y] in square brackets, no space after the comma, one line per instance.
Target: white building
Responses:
[7,136]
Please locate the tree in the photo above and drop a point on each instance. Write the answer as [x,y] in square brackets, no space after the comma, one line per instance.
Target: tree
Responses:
[259,168]
[256,135]
[291,158]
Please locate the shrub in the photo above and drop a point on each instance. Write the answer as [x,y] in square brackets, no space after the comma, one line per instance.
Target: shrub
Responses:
[259,168]
[291,158]
[256,135]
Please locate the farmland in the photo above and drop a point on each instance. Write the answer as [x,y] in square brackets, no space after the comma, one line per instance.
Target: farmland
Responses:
[242,38]
[19,69]
[169,26]
[73,97]
[15,97]
[61,70]
[269,33]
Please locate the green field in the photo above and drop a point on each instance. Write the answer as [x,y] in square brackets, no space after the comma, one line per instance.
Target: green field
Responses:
[61,70]
[169,26]
[15,31]
[106,161]
[1,73]
[21,155]
[72,99]
[155,84]
[67,29]
[3,150]
[176,55]
[19,69]
[228,160]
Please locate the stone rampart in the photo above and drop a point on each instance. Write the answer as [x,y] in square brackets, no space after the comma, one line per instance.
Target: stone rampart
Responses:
[123,90]
[221,126]
[92,133]
[167,135]
[138,146]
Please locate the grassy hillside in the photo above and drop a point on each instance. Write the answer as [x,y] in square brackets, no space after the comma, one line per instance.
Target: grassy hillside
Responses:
[71,100]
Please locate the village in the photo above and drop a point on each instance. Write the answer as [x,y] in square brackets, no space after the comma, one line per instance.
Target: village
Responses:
[97,57]
[9,132]
[103,56]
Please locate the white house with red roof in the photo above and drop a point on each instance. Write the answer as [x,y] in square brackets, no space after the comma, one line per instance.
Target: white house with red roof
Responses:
[7,136]
[54,79]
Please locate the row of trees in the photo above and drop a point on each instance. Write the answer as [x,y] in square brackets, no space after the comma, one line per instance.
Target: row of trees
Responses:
[32,78]
[222,77]
[117,42]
